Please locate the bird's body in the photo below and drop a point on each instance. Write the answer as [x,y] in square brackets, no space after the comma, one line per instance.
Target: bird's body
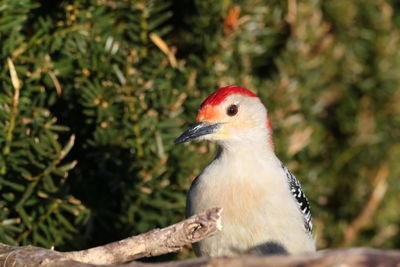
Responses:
[264,209]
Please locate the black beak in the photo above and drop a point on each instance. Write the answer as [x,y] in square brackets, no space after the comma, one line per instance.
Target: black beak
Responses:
[197,130]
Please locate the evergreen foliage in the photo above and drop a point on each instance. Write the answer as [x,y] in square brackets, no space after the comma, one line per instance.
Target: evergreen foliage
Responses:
[86,139]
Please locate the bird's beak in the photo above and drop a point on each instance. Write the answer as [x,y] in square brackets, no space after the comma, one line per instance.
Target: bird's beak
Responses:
[196,131]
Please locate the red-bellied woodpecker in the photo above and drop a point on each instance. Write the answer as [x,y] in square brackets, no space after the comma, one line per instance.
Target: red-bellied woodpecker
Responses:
[264,208]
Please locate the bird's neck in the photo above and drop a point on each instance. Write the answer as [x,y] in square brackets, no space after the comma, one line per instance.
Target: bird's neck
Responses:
[247,151]
[256,142]
[237,164]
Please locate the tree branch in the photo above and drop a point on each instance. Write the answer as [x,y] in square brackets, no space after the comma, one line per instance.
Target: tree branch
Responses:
[153,243]
[355,257]
[172,238]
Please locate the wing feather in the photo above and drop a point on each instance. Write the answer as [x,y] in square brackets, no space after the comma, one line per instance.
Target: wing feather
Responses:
[300,197]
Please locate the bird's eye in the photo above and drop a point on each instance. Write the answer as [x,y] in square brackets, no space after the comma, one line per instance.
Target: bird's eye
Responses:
[232,110]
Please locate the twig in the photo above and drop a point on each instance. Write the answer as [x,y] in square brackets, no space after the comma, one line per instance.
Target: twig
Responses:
[20,50]
[14,112]
[164,48]
[53,207]
[155,242]
[52,166]
[55,82]
[35,181]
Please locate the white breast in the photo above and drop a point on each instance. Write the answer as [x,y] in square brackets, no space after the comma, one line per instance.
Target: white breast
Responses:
[258,209]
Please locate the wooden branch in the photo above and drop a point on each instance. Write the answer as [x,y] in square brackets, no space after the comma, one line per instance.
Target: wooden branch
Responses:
[153,243]
[355,257]
[172,238]
[34,256]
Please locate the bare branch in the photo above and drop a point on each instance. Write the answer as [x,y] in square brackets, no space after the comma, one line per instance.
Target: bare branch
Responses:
[172,238]
[155,242]
[355,257]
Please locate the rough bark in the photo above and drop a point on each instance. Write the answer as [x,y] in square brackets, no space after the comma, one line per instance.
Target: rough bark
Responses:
[354,257]
[172,238]
[33,256]
[155,242]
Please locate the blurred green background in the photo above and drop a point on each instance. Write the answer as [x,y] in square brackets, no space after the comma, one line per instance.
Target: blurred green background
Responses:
[94,92]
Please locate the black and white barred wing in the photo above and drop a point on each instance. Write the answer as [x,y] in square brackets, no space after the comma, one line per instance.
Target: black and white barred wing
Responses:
[302,201]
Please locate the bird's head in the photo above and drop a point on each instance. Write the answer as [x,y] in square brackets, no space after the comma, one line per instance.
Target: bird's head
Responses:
[231,115]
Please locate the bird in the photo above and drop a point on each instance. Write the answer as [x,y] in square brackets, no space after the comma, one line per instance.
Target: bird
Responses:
[265,210]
